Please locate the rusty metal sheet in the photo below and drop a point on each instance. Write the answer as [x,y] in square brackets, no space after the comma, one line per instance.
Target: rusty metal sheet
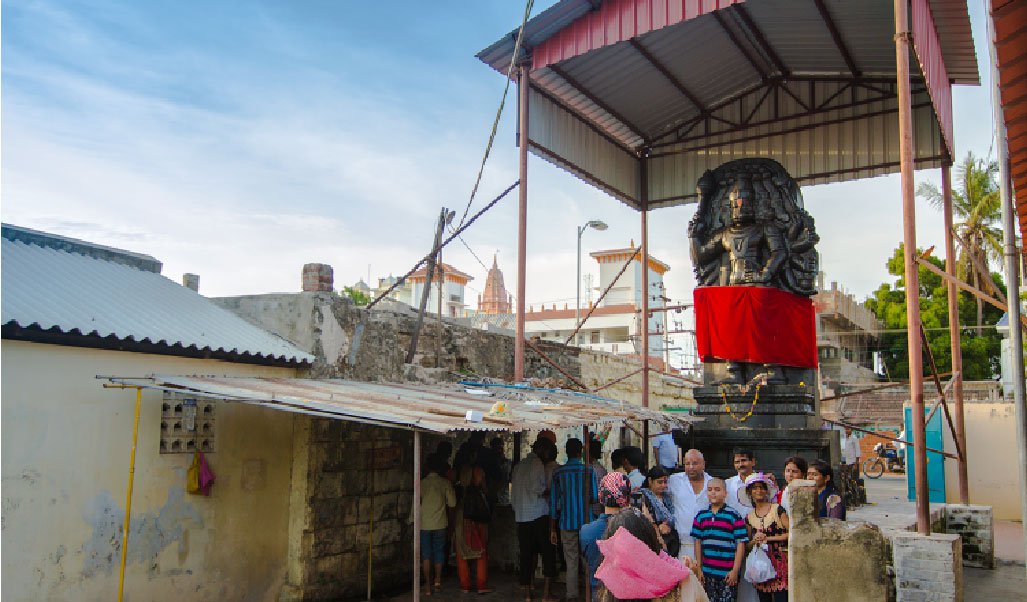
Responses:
[437,408]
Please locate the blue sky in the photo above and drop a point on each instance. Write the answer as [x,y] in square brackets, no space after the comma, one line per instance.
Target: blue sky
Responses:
[240,140]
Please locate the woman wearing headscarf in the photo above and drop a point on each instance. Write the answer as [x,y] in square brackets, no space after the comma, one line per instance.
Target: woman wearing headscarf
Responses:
[660,504]
[635,566]
[614,496]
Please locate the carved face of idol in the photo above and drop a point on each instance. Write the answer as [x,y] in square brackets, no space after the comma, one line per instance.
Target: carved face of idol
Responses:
[807,272]
[742,209]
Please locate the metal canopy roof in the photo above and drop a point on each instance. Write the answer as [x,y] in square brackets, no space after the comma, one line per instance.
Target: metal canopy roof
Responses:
[639,97]
[435,408]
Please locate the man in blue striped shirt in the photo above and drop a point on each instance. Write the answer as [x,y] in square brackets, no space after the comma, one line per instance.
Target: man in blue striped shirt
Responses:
[569,510]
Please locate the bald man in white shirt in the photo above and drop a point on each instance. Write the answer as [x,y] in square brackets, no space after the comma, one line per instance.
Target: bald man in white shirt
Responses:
[688,490]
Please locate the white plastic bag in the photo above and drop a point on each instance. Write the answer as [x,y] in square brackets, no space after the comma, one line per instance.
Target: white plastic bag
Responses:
[758,568]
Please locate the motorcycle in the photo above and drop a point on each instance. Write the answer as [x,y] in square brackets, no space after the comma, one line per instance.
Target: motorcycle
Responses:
[887,458]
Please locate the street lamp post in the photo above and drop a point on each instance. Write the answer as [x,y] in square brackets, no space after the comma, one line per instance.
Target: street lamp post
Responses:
[596,225]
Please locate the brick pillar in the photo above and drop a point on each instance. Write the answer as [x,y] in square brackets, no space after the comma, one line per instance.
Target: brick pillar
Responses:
[927,567]
[973,524]
[191,281]
[317,277]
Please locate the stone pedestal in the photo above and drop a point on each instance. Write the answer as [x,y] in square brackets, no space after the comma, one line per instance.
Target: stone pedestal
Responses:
[781,423]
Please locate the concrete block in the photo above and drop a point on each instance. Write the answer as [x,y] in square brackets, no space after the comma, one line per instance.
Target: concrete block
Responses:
[928,568]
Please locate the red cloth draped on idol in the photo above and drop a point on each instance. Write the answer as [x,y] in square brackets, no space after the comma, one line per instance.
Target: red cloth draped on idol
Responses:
[753,251]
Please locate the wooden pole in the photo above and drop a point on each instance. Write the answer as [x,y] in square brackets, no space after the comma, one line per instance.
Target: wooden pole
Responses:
[417,516]
[523,83]
[976,292]
[954,333]
[916,366]
[586,484]
[429,274]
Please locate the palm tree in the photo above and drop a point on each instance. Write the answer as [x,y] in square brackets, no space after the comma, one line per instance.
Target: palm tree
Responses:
[976,204]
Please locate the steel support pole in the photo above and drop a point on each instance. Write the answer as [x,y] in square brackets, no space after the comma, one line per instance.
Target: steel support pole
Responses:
[644,318]
[577,289]
[1012,274]
[912,276]
[644,169]
[417,516]
[954,333]
[523,83]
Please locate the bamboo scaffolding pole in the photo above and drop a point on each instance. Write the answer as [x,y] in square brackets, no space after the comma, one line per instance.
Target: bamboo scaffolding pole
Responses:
[973,291]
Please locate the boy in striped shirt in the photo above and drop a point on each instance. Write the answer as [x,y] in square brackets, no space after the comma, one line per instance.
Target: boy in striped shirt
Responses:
[720,537]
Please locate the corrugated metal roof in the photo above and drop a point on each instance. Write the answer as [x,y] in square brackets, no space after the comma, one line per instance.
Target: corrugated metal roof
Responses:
[52,288]
[691,78]
[438,408]
[573,27]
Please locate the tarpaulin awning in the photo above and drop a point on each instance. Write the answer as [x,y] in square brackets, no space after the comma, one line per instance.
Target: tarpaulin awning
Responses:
[436,408]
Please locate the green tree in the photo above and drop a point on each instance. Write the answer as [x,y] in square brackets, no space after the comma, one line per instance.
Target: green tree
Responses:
[980,347]
[360,298]
[977,207]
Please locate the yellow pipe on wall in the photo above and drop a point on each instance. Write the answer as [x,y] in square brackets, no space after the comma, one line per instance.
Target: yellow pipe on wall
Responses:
[128,500]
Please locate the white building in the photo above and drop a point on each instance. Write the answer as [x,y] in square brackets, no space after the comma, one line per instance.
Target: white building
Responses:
[453,283]
[614,325]
[73,310]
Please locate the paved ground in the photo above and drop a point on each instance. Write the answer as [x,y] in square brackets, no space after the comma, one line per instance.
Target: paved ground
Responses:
[888,508]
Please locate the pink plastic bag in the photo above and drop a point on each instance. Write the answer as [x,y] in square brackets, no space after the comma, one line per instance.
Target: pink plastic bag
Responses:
[206,476]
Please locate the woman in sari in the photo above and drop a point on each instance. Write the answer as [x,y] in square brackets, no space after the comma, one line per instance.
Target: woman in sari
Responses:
[471,538]
[660,504]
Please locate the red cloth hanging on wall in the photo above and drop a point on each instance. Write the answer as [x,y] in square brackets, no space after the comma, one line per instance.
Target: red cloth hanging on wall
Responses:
[755,324]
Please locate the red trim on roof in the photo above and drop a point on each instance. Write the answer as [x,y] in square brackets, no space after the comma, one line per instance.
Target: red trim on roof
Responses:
[618,21]
[927,47]
[1010,18]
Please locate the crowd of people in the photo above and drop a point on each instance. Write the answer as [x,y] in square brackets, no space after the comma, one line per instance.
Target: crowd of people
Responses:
[667,532]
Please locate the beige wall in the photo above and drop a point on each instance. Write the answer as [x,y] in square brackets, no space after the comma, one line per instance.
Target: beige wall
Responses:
[66,444]
[992,458]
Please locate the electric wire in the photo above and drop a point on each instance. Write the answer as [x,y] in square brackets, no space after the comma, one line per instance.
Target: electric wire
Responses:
[499,112]
[495,127]
[399,281]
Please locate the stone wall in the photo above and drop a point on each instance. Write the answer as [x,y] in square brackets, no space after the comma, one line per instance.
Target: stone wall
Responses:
[351,501]
[338,483]
[830,559]
[599,368]
[326,325]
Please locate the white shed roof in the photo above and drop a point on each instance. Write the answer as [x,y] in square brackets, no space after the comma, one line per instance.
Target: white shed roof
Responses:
[52,284]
